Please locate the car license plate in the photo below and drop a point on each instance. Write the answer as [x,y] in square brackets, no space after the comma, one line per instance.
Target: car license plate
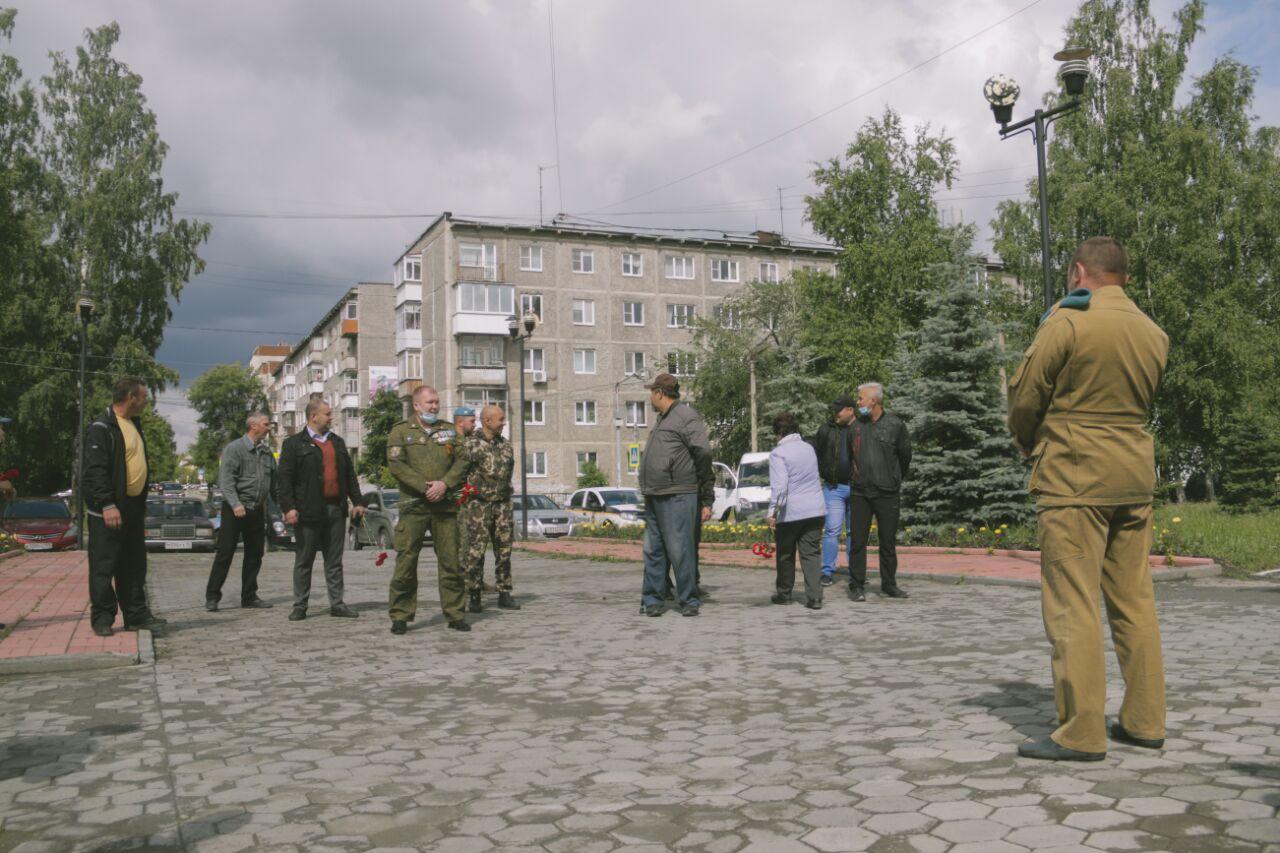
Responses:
[39,546]
[177,546]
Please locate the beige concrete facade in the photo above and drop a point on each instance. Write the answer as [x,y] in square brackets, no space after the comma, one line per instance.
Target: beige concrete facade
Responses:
[602,296]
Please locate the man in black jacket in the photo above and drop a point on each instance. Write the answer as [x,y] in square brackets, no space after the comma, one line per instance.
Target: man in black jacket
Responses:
[314,481]
[115,496]
[881,460]
[834,445]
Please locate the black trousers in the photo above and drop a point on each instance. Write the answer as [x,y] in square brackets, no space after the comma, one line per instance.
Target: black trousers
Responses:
[884,508]
[118,558]
[804,536]
[252,528]
[328,537]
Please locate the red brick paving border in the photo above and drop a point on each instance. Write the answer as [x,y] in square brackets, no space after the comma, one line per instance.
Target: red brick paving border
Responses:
[47,596]
[975,565]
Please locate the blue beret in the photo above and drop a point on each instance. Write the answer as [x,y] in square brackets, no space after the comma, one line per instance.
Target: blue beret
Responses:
[464,412]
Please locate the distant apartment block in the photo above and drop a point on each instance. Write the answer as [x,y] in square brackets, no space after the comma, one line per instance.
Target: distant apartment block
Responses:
[348,353]
[264,360]
[613,304]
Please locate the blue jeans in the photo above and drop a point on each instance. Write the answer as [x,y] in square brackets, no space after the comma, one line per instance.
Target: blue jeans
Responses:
[837,513]
[669,524]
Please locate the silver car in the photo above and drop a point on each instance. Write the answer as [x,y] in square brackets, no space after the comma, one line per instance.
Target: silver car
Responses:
[545,518]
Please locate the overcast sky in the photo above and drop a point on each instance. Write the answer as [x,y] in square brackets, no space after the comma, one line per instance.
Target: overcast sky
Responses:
[412,108]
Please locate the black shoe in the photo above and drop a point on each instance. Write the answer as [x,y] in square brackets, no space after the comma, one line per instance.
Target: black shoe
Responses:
[700,594]
[344,611]
[211,604]
[151,623]
[827,580]
[813,605]
[256,603]
[103,630]
[894,592]
[669,595]
[399,626]
[474,604]
[688,610]
[1047,749]
[459,625]
[297,614]
[653,610]
[856,593]
[1119,735]
[507,601]
[780,598]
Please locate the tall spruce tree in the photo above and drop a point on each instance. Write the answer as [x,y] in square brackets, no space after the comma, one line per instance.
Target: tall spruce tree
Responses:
[965,470]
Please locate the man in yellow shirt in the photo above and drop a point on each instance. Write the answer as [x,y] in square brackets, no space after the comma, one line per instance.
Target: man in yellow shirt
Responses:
[115,495]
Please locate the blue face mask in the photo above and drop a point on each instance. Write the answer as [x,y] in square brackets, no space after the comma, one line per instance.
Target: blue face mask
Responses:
[428,418]
[864,412]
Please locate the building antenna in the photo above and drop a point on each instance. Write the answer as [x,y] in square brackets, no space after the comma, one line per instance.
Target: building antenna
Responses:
[782,221]
[542,169]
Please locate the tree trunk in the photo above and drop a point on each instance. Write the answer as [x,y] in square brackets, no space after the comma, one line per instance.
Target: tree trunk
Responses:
[1208,486]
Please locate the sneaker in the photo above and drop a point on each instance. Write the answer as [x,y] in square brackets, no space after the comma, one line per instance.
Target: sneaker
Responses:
[828,580]
[688,610]
[856,593]
[653,610]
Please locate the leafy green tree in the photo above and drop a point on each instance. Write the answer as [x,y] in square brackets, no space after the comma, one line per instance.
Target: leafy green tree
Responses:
[964,467]
[162,450]
[82,204]
[382,413]
[877,204]
[592,477]
[222,397]
[1178,171]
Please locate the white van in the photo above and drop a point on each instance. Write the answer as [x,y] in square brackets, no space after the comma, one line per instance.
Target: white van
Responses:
[743,493]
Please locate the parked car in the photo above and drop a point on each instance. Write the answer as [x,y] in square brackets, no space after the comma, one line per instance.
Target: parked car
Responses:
[40,524]
[744,493]
[173,490]
[178,524]
[377,529]
[545,518]
[607,506]
[279,534]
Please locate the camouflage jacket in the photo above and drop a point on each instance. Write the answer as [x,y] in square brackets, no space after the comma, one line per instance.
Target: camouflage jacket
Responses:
[491,464]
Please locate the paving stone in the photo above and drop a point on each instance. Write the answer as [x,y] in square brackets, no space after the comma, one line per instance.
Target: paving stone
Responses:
[899,823]
[834,838]
[1145,806]
[961,831]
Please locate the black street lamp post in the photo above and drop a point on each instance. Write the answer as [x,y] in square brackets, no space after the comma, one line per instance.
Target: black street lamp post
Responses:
[84,308]
[514,324]
[1002,92]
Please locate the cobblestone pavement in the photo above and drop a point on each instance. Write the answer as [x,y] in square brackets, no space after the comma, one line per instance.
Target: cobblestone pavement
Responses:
[576,724]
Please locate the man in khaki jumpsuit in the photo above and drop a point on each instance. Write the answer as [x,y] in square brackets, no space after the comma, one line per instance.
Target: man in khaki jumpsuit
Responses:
[425,454]
[1078,407]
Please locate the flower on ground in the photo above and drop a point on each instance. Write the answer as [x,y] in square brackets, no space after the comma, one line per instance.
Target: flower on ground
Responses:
[959,530]
[982,530]
[1177,520]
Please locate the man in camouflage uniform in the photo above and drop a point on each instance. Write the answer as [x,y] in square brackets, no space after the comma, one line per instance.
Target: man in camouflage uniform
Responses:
[486,517]
[426,456]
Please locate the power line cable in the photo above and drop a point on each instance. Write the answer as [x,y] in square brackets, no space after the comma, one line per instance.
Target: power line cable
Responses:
[555,101]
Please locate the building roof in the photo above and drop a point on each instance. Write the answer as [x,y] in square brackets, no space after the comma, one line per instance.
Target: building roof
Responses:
[562,226]
[272,350]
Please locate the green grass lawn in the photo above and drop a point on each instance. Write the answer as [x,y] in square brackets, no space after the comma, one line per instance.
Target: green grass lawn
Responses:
[1241,544]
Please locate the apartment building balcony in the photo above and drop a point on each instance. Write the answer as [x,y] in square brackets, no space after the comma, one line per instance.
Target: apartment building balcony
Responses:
[315,387]
[482,374]
[486,272]
[478,323]
[289,379]
[350,328]
[288,406]
[349,401]
[349,364]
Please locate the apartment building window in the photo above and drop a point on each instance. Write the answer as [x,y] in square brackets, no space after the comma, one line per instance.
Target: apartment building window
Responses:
[769,272]
[584,361]
[411,365]
[535,413]
[531,303]
[531,258]
[411,316]
[486,298]
[290,393]
[584,312]
[636,413]
[682,363]
[633,313]
[728,317]
[534,360]
[317,374]
[481,256]
[482,351]
[633,363]
[535,463]
[478,398]
[723,269]
[679,316]
[412,268]
[586,457]
[290,368]
[352,311]
[584,260]
[584,413]
[679,266]
[632,264]
[351,384]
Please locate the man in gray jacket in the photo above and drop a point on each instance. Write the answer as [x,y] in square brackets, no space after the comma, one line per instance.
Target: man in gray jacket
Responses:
[247,478]
[677,483]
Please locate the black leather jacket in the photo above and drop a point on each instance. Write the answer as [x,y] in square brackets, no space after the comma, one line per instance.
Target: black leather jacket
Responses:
[827,445]
[105,478]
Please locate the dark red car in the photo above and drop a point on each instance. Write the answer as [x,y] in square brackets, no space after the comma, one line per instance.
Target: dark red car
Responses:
[40,524]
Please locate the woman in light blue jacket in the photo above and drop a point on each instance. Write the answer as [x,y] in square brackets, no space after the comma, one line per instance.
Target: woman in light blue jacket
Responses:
[797,511]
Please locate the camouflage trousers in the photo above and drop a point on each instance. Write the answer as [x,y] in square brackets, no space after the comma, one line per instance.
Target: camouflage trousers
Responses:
[486,523]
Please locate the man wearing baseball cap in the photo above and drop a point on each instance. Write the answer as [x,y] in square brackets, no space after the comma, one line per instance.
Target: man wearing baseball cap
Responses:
[678,484]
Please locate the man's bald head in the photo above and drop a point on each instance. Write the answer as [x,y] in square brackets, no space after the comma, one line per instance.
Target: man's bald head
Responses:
[1098,262]
[493,419]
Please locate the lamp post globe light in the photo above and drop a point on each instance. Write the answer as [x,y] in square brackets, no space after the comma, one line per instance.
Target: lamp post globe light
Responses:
[515,327]
[84,310]
[1001,92]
